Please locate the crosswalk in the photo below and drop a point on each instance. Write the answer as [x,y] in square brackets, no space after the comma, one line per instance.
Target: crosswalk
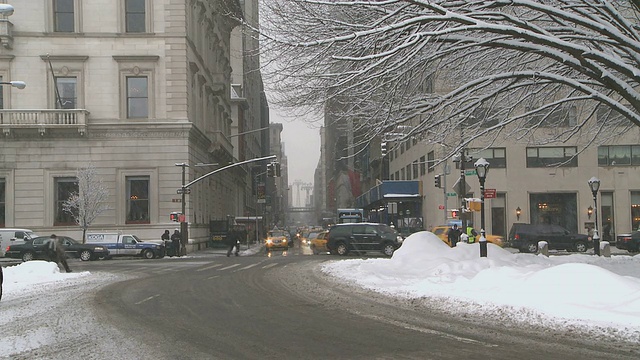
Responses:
[167,267]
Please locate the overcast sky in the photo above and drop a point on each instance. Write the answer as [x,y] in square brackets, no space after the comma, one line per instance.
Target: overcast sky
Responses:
[302,144]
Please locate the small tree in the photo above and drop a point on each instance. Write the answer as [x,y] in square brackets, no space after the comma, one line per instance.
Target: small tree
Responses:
[90,201]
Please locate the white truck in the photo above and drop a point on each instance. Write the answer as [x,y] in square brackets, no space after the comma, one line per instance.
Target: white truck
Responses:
[127,245]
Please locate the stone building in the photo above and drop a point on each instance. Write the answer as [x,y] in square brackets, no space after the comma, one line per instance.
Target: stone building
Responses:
[132,87]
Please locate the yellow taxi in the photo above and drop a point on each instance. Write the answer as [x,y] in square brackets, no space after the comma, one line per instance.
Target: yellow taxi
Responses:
[442,231]
[277,239]
[318,242]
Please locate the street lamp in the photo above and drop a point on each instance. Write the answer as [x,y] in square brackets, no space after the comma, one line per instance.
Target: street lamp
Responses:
[594,184]
[16,84]
[482,168]
[6,9]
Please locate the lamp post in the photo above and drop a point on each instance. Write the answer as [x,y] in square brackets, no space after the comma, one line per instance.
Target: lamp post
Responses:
[482,168]
[594,184]
[184,228]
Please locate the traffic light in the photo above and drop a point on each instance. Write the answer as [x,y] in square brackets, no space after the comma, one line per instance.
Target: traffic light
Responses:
[175,216]
[383,148]
[454,213]
[438,179]
[270,170]
[276,169]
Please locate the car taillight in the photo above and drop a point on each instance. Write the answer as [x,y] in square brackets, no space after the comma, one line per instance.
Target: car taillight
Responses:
[517,237]
[626,238]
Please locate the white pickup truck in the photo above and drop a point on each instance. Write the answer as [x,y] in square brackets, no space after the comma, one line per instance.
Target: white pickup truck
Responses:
[127,245]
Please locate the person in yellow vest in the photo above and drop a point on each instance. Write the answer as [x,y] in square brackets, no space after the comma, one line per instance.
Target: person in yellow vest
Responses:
[471,233]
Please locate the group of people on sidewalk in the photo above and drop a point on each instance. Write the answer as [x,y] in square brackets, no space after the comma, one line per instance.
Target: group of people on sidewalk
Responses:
[455,235]
[174,240]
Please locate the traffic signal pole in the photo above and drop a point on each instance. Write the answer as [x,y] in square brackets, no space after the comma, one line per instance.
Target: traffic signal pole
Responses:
[461,192]
[185,189]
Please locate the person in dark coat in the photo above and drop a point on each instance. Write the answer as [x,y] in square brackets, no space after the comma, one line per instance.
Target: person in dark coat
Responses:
[454,235]
[166,238]
[175,240]
[1,281]
[57,253]
[233,240]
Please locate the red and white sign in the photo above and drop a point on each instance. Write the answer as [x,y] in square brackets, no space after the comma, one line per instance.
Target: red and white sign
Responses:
[441,207]
[489,193]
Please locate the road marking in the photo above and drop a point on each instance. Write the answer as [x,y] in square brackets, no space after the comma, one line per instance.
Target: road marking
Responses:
[213,277]
[247,267]
[147,299]
[229,267]
[269,266]
[430,331]
[209,267]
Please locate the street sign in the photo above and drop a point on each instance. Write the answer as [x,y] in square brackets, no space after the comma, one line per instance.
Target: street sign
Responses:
[185,191]
[452,194]
[489,193]
[456,187]
[470,172]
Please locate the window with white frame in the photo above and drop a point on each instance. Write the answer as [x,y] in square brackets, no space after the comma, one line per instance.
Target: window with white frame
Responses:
[64,187]
[67,92]
[137,97]
[619,155]
[3,201]
[137,89]
[138,206]
[496,157]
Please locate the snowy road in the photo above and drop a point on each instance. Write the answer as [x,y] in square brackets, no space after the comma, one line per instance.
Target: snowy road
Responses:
[62,324]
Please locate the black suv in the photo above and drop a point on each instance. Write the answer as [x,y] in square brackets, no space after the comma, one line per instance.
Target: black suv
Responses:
[363,237]
[629,242]
[525,237]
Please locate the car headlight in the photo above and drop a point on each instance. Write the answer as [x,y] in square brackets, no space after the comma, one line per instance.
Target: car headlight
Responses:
[399,239]
[269,241]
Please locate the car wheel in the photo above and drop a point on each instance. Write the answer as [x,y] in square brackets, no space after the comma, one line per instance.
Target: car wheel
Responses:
[314,250]
[580,246]
[341,249]
[388,249]
[85,255]
[148,254]
[532,247]
[27,256]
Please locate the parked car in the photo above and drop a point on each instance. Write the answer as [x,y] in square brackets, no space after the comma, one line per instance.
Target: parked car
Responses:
[525,237]
[36,249]
[363,237]
[629,242]
[442,231]
[10,236]
[318,243]
[277,239]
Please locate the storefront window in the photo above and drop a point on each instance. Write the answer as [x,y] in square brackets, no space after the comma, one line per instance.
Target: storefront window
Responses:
[635,210]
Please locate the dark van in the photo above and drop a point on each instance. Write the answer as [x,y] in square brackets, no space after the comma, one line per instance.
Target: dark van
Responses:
[363,237]
[525,237]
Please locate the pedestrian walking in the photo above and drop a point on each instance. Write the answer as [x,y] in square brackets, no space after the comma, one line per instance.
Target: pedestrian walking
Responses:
[233,240]
[175,240]
[57,253]
[471,234]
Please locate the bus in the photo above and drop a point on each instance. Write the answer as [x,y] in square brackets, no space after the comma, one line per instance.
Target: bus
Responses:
[346,216]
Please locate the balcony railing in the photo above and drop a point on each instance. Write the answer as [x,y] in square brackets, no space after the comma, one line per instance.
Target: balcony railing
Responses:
[43,120]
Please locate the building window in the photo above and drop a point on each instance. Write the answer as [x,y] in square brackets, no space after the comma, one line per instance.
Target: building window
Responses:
[402,177]
[423,165]
[397,177]
[496,157]
[137,97]
[1,95]
[138,200]
[619,155]
[552,156]
[63,16]
[561,115]
[409,172]
[135,16]
[67,90]
[606,207]
[431,158]
[3,199]
[64,187]
[415,169]
[635,210]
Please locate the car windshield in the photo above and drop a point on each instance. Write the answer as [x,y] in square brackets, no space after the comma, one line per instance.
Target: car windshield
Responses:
[313,235]
[277,233]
